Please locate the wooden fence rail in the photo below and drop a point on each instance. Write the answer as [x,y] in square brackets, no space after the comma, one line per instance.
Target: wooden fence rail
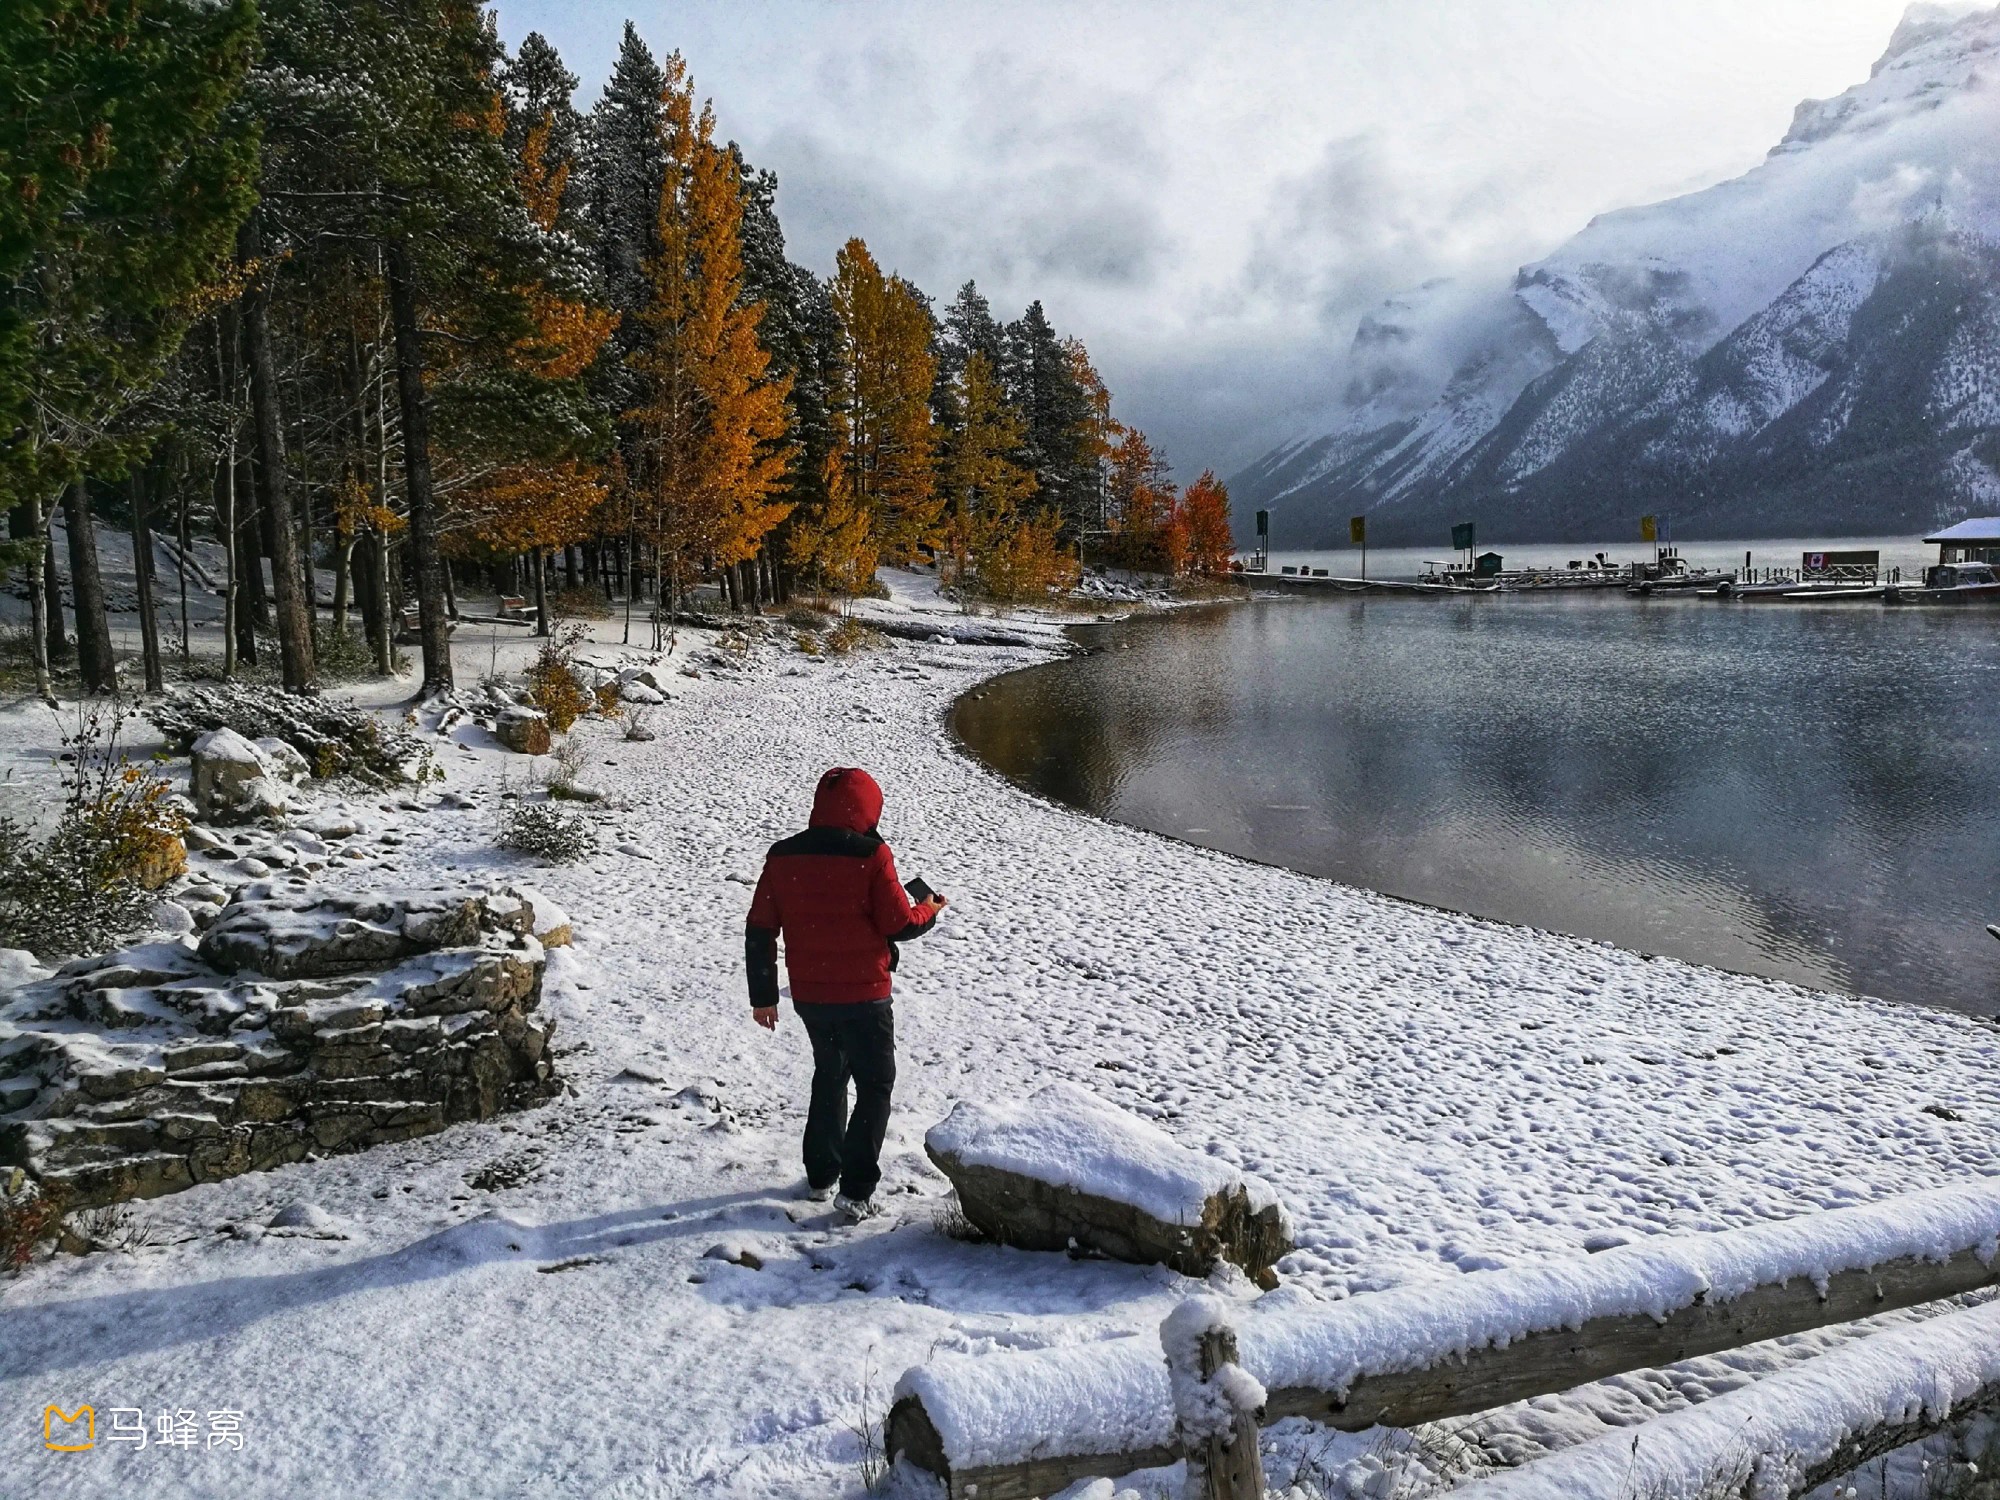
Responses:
[1015,1426]
[1790,1432]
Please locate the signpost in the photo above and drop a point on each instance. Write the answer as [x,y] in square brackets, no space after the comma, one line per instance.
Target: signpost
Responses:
[1263,564]
[1357,533]
[1462,539]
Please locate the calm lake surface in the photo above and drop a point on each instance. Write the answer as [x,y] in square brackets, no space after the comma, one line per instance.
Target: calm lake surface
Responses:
[1806,792]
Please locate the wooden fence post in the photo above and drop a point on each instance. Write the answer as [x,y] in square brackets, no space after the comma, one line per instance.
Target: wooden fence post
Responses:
[1216,1403]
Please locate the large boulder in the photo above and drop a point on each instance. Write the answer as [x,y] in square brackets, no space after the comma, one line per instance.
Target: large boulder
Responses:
[525,731]
[1063,1169]
[234,781]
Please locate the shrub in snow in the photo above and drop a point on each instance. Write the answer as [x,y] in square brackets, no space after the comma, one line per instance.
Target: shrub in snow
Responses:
[89,882]
[546,831]
[336,739]
[555,687]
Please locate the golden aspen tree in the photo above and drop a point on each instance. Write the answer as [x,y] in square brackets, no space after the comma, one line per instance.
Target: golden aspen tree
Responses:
[834,543]
[984,485]
[1140,501]
[1201,522]
[711,426]
[1100,431]
[882,402]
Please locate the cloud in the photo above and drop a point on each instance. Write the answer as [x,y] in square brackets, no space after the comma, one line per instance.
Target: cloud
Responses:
[1214,196]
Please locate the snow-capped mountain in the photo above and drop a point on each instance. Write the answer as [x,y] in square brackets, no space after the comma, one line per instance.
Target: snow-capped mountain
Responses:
[1813,346]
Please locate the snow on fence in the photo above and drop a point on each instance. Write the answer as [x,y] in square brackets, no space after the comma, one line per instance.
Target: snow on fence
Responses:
[1788,1433]
[1009,1426]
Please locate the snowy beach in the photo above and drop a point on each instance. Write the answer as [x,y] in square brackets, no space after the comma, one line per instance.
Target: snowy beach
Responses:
[622,1294]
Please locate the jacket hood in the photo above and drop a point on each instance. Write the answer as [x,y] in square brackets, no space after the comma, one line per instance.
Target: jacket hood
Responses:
[847,798]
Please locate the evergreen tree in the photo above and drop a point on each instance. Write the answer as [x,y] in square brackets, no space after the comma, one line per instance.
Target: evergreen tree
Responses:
[1042,384]
[538,92]
[123,182]
[969,329]
[626,166]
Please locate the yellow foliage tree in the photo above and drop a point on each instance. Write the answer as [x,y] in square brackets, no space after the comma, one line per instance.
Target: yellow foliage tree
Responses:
[985,487]
[1202,522]
[711,448]
[1140,500]
[883,432]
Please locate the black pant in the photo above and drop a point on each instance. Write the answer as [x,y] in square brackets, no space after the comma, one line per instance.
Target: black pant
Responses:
[857,1042]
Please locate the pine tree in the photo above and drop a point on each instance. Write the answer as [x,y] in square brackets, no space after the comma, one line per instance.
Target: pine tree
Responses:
[124,182]
[626,165]
[882,416]
[537,89]
[710,424]
[1042,383]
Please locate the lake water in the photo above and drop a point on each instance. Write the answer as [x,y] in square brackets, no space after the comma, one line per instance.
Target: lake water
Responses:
[1805,792]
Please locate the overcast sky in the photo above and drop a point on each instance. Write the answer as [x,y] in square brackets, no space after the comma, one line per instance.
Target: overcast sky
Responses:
[1210,194]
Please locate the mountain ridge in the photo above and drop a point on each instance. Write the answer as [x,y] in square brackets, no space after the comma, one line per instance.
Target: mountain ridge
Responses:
[1811,346]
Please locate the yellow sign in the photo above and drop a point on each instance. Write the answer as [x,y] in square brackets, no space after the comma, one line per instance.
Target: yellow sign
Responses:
[84,1414]
[1649,529]
[1357,530]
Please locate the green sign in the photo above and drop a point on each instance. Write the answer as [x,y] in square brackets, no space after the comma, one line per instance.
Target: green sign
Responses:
[1357,530]
[1461,536]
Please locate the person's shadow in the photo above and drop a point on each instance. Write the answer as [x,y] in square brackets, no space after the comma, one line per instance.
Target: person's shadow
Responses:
[89,1330]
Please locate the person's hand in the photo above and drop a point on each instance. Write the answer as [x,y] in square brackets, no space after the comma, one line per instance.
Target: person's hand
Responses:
[933,904]
[765,1016]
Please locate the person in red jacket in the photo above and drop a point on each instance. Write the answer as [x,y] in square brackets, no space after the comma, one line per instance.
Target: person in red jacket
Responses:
[832,893]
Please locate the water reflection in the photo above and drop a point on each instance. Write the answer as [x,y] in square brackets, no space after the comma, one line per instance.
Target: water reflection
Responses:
[1800,792]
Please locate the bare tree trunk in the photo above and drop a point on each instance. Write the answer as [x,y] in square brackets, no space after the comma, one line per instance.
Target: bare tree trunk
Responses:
[432,625]
[55,640]
[541,592]
[295,620]
[250,604]
[183,541]
[381,616]
[142,568]
[93,626]
[26,524]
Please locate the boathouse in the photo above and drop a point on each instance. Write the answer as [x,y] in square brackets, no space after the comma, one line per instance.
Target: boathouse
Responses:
[1974,540]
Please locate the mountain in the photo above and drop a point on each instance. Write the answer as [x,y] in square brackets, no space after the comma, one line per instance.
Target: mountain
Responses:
[1812,347]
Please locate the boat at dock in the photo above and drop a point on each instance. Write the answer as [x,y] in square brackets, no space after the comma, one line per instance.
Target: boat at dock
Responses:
[1951,583]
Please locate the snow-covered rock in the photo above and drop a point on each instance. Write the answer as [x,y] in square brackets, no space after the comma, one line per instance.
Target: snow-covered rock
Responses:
[1063,1168]
[525,731]
[146,1071]
[234,781]
[285,762]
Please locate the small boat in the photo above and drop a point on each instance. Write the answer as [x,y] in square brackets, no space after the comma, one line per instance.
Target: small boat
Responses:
[1951,583]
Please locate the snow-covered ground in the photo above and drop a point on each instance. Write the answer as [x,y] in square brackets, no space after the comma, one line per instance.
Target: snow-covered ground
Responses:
[621,1295]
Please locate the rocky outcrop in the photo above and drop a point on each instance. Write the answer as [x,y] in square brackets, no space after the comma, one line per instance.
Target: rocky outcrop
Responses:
[303,1022]
[1063,1170]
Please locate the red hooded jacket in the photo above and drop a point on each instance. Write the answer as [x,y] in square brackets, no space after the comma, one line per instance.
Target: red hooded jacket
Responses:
[832,892]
